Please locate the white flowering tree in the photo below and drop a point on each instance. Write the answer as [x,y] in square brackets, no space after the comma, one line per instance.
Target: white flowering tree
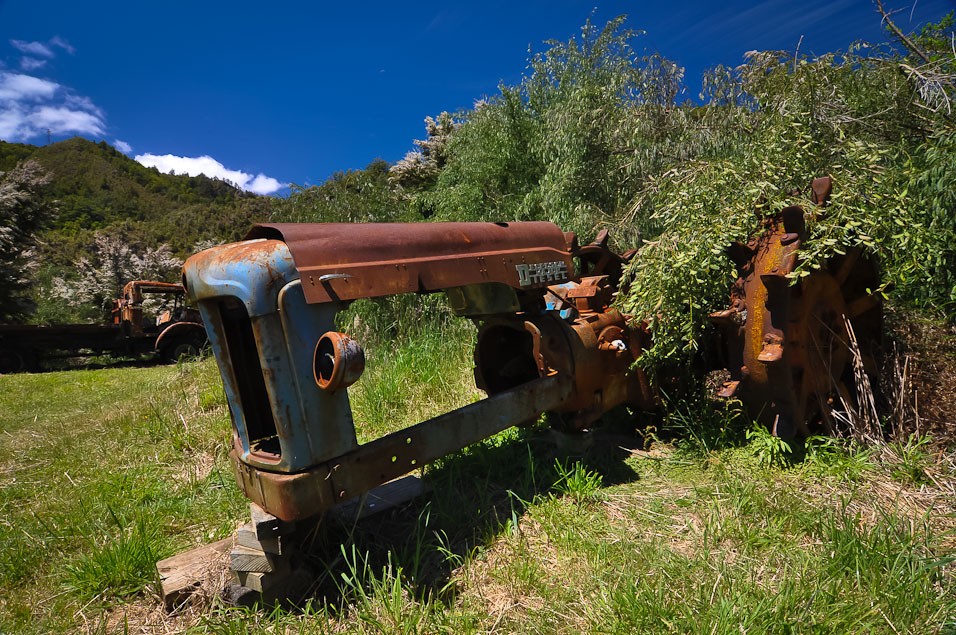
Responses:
[421,166]
[22,213]
[114,261]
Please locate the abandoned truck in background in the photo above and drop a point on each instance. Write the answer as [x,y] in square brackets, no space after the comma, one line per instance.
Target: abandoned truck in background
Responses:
[172,331]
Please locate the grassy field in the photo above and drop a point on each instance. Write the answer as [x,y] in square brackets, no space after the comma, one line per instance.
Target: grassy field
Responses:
[699,527]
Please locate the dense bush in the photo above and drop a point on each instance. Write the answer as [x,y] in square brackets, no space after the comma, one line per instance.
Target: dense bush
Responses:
[594,136]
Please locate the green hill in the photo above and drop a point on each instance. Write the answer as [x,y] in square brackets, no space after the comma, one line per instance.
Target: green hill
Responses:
[95,187]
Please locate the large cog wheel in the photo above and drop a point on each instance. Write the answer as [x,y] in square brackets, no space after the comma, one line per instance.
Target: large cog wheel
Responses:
[788,346]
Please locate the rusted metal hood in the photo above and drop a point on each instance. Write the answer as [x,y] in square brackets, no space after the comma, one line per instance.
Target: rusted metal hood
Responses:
[342,261]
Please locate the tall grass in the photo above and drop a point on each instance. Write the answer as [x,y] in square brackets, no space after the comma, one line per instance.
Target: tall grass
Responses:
[103,472]
[699,532]
[418,361]
[121,566]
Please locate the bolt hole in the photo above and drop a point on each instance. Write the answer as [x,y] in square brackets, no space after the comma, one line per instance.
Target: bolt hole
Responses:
[394,459]
[408,441]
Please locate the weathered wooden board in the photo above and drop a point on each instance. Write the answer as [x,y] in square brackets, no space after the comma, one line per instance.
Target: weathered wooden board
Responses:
[182,574]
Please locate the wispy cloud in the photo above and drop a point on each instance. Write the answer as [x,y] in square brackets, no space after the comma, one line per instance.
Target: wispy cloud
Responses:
[63,44]
[193,166]
[31,63]
[30,106]
[39,54]
[122,146]
[19,87]
[32,48]
[770,20]
[43,49]
[60,119]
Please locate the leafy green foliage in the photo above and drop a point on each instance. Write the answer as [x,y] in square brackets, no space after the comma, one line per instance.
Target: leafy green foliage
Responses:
[839,458]
[769,449]
[699,425]
[114,261]
[576,481]
[848,116]
[911,458]
[595,136]
[96,189]
[564,145]
[355,196]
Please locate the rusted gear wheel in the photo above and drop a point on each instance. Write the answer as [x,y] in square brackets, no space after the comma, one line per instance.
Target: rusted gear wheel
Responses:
[597,259]
[788,347]
[822,359]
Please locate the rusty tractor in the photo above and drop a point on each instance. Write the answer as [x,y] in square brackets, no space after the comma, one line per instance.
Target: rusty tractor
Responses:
[549,340]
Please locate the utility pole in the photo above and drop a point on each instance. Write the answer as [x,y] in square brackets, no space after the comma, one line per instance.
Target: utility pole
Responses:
[49,137]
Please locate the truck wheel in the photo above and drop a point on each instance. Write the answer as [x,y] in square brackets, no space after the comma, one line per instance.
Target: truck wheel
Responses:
[17,360]
[177,349]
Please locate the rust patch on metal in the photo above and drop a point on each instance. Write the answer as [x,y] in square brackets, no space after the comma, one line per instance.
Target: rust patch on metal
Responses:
[340,261]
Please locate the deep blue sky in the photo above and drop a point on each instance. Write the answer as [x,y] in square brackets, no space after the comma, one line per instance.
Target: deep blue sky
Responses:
[297,91]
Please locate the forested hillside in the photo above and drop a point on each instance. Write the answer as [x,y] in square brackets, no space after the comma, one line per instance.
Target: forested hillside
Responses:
[101,208]
[96,187]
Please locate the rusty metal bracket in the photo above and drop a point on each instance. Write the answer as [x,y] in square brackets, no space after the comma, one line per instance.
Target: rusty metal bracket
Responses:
[305,494]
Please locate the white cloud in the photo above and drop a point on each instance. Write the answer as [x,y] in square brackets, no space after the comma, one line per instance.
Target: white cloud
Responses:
[31,63]
[18,87]
[30,106]
[79,102]
[59,120]
[37,50]
[12,122]
[32,48]
[193,166]
[263,184]
[122,146]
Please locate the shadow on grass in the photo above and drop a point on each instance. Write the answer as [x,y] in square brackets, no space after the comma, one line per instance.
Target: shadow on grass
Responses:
[473,497]
[100,362]
[481,493]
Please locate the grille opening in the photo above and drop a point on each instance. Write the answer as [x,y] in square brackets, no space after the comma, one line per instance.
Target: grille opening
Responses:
[250,384]
[506,358]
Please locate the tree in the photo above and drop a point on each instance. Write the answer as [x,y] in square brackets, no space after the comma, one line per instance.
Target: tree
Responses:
[113,262]
[353,196]
[420,167]
[595,135]
[22,214]
[572,143]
